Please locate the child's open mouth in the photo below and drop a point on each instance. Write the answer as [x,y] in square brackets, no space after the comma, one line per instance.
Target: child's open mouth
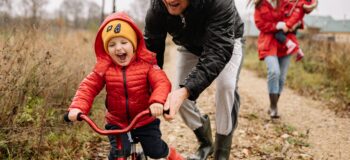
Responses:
[122,56]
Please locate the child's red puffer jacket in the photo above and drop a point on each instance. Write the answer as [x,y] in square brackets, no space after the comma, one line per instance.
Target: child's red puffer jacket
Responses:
[130,89]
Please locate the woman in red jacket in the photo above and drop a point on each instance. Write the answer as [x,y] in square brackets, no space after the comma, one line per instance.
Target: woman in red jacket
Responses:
[293,17]
[269,19]
[133,83]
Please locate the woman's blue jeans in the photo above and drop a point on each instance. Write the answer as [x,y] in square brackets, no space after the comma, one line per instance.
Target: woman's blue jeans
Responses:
[277,68]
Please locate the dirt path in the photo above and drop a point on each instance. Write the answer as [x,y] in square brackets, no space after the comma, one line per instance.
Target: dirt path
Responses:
[328,135]
[305,131]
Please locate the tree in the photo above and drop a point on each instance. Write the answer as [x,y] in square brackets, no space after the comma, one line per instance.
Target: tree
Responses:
[139,11]
[5,10]
[35,8]
[102,11]
[5,6]
[93,16]
[72,10]
[93,10]
[114,7]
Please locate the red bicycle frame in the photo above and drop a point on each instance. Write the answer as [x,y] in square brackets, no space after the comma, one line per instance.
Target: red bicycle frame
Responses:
[116,132]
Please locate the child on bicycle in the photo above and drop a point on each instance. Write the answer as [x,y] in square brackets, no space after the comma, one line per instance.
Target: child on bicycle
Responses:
[295,12]
[133,83]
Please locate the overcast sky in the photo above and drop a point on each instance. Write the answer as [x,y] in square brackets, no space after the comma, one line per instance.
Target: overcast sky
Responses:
[338,9]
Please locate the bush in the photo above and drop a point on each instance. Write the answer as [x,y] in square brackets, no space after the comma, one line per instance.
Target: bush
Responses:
[40,70]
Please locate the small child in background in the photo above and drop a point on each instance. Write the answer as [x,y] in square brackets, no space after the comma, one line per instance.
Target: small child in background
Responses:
[295,12]
[134,83]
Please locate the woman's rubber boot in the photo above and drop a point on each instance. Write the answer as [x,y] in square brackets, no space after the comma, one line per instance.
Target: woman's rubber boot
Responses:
[222,146]
[273,111]
[173,155]
[205,140]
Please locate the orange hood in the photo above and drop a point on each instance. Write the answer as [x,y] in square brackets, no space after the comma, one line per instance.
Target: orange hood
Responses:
[104,60]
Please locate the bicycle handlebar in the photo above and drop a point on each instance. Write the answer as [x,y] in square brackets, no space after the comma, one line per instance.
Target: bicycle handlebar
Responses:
[93,125]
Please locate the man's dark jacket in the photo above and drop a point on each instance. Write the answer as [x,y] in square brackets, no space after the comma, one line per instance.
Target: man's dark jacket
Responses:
[207,28]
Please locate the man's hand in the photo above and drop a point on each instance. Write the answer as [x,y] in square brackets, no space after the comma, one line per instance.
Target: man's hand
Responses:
[73,113]
[156,109]
[174,101]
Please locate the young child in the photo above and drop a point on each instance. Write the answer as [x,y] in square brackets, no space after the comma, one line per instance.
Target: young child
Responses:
[295,12]
[133,83]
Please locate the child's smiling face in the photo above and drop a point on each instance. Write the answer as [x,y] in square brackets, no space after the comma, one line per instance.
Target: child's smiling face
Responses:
[121,50]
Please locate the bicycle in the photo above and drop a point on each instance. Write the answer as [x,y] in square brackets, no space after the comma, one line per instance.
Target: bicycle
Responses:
[134,154]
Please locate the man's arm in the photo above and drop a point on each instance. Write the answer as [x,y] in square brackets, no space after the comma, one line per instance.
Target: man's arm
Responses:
[217,49]
[155,34]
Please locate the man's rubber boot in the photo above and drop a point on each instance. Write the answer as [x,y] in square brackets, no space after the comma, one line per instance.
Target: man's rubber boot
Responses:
[273,111]
[205,140]
[223,142]
[222,146]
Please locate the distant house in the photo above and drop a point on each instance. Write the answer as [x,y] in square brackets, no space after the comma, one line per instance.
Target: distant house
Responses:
[327,28]
[321,28]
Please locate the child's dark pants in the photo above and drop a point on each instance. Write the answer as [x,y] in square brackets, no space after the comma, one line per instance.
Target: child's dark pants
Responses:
[149,136]
[281,36]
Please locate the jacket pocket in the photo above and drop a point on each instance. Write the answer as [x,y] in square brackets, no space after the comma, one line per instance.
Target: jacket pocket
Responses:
[263,43]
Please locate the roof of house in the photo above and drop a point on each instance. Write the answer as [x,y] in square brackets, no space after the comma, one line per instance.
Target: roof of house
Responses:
[327,23]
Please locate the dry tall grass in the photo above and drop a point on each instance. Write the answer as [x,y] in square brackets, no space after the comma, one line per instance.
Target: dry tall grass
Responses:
[323,73]
[40,70]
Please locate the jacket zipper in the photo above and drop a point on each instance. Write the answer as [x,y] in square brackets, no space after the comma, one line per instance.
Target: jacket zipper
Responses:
[183,20]
[126,95]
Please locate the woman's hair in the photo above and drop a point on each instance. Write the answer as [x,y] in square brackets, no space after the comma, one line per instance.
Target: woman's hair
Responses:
[252,3]
[257,3]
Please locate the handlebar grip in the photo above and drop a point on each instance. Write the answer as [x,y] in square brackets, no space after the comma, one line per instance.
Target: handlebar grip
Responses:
[66,119]
[78,116]
[164,112]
